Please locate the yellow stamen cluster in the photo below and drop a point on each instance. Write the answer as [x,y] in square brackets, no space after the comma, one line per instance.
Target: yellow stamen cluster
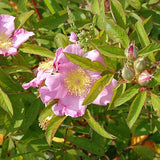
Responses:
[77,82]
[47,64]
[5,42]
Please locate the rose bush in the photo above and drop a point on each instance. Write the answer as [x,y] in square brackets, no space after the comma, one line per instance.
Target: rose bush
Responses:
[79,79]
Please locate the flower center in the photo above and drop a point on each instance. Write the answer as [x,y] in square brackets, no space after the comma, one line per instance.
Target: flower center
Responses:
[77,82]
[5,42]
[47,64]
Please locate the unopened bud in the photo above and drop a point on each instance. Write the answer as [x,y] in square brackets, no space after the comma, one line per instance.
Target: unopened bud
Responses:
[131,52]
[139,65]
[144,78]
[73,37]
[128,73]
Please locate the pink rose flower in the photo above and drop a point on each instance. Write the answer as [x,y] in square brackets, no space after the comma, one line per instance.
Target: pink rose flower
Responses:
[71,83]
[9,41]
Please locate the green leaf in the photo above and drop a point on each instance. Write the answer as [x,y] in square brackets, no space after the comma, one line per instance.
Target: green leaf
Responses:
[118,13]
[143,38]
[20,20]
[49,5]
[101,15]
[96,127]
[111,63]
[110,51]
[47,111]
[61,40]
[156,103]
[135,3]
[53,126]
[7,84]
[5,148]
[157,76]
[37,50]
[127,95]
[97,88]
[136,108]
[16,69]
[117,92]
[116,33]
[153,47]
[148,25]
[5,103]
[31,114]
[145,152]
[151,2]
[85,62]
[87,145]
[77,153]
[52,22]
[95,6]
[142,35]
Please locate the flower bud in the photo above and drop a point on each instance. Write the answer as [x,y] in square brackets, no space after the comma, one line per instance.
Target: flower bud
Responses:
[131,52]
[139,65]
[128,73]
[144,78]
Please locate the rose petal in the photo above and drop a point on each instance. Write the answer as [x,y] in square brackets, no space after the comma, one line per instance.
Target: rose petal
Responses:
[74,49]
[59,58]
[105,96]
[53,81]
[70,106]
[20,36]
[94,55]
[46,95]
[6,24]
[36,82]
[11,51]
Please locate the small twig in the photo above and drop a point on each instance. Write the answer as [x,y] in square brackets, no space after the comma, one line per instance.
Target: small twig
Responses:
[145,105]
[36,10]
[124,150]
[65,137]
[114,72]
[36,66]
[155,65]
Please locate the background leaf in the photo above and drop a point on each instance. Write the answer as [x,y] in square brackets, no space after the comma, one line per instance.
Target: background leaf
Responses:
[135,3]
[156,103]
[52,22]
[22,18]
[135,108]
[153,47]
[118,13]
[16,69]
[49,5]
[5,103]
[116,33]
[96,127]
[37,50]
